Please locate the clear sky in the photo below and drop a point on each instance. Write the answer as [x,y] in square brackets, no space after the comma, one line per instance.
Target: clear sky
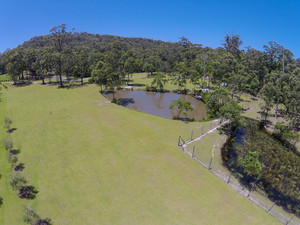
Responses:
[204,22]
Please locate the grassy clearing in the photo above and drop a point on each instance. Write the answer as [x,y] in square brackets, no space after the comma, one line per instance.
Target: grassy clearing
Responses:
[141,78]
[98,163]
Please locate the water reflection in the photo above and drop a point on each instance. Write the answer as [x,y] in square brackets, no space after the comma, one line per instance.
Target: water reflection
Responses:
[156,103]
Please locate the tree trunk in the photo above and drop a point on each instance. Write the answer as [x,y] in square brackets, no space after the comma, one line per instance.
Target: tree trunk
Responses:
[81,78]
[113,94]
[43,80]
[60,78]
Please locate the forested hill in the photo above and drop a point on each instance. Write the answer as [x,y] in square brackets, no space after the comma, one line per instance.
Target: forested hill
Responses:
[100,42]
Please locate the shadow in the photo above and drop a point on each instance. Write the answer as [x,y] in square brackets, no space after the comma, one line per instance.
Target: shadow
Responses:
[11,130]
[14,152]
[126,101]
[136,85]
[19,168]
[22,84]
[71,85]
[27,192]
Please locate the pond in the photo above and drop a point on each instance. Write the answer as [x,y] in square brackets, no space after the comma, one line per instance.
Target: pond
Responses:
[156,103]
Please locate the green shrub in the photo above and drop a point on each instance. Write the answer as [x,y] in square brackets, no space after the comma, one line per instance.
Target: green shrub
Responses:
[29,215]
[12,159]
[16,180]
[7,123]
[8,143]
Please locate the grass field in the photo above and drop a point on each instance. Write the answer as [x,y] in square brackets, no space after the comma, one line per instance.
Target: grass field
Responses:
[99,163]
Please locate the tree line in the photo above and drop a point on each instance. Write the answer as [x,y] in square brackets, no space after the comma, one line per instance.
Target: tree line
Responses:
[272,74]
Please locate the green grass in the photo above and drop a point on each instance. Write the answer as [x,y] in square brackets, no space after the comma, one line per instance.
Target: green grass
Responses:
[97,163]
[141,78]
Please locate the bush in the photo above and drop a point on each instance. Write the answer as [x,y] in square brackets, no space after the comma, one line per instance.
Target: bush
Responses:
[29,215]
[12,159]
[7,123]
[8,143]
[150,88]
[16,180]
[1,201]
[91,80]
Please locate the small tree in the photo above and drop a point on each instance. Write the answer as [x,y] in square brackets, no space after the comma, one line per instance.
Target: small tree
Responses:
[12,159]
[252,166]
[216,100]
[233,112]
[8,143]
[29,215]
[284,133]
[159,81]
[16,180]
[181,106]
[7,123]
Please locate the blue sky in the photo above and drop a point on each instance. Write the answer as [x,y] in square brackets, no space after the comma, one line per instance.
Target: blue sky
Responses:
[204,22]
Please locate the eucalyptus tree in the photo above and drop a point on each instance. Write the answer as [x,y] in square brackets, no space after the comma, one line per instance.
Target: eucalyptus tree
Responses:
[181,73]
[99,75]
[268,94]
[30,61]
[82,59]
[159,81]
[232,44]
[59,37]
[132,64]
[113,67]
[15,65]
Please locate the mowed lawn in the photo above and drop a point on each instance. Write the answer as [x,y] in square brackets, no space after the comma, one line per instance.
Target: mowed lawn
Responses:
[98,163]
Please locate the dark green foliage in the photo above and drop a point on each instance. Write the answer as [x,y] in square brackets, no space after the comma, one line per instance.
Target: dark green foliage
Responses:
[159,81]
[216,100]
[233,112]
[181,107]
[252,166]
[284,133]
[1,201]
[279,172]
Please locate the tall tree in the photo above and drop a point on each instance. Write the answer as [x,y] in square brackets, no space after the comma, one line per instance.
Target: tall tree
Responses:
[59,37]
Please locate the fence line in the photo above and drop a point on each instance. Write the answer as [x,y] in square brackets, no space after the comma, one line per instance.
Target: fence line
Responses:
[232,181]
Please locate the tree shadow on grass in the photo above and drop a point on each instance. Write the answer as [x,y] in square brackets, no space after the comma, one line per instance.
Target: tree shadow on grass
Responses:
[72,85]
[11,130]
[23,84]
[27,192]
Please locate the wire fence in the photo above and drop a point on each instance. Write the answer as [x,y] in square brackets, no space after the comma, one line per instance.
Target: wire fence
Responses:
[210,158]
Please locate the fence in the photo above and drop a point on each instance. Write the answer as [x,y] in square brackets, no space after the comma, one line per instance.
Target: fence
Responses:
[202,149]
